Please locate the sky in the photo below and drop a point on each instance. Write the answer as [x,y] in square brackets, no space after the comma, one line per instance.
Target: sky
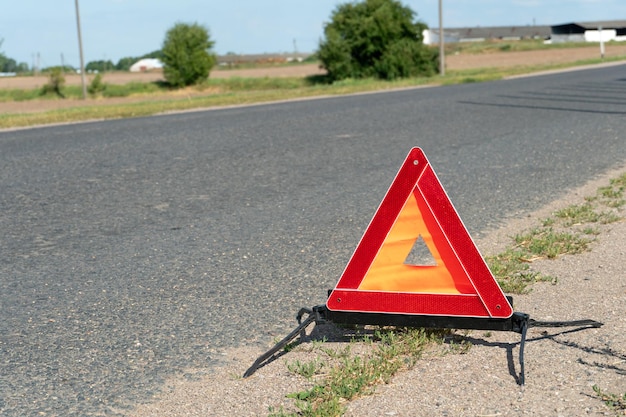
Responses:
[44,32]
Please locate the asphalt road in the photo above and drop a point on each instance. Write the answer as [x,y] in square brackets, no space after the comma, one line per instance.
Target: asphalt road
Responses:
[131,250]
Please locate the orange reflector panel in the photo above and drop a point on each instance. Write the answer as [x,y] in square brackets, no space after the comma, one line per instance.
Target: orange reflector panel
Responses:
[381,277]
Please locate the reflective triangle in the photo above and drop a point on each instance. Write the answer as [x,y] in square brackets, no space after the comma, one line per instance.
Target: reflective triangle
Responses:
[378,277]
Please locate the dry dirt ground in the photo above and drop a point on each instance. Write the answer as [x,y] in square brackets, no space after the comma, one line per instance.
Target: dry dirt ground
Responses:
[453,62]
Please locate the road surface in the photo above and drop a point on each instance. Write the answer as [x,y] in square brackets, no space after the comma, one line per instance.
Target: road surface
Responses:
[134,249]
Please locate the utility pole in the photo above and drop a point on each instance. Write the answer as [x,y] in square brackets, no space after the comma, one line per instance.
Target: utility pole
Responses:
[80,47]
[442,57]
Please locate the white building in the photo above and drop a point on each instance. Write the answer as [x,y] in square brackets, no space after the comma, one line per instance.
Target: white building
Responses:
[612,30]
[480,34]
[146,64]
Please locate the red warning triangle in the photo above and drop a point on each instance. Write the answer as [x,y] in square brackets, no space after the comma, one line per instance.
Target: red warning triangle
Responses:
[380,278]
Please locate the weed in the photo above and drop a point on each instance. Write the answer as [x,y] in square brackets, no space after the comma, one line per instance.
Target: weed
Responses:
[337,353]
[290,346]
[512,271]
[318,343]
[19,95]
[613,401]
[348,376]
[280,412]
[133,88]
[459,348]
[56,83]
[305,369]
[96,86]
[590,231]
[611,192]
[610,217]
[612,195]
[587,213]
[578,214]
[265,83]
[558,235]
[548,243]
[615,189]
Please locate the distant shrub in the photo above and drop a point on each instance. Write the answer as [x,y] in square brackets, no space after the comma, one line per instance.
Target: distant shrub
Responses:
[96,86]
[187,57]
[375,38]
[56,83]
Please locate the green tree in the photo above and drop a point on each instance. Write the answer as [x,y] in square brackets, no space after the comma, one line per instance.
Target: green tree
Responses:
[99,66]
[125,63]
[375,38]
[22,67]
[187,56]
[158,54]
[9,64]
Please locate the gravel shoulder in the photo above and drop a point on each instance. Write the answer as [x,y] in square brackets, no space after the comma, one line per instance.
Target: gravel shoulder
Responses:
[562,365]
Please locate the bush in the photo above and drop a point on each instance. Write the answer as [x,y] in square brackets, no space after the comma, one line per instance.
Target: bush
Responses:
[187,57]
[375,38]
[56,83]
[96,86]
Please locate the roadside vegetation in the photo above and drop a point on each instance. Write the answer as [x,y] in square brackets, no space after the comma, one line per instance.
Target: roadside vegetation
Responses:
[374,355]
[187,57]
[376,39]
[370,45]
[568,231]
[8,64]
[613,401]
[495,46]
[153,98]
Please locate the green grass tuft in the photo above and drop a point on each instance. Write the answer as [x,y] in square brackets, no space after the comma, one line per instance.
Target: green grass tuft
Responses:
[567,232]
[349,376]
[548,243]
[615,402]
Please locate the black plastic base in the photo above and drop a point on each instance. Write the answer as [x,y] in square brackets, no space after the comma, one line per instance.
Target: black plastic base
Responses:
[515,323]
[518,323]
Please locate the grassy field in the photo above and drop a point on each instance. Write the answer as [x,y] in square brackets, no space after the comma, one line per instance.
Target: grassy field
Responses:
[509,46]
[28,107]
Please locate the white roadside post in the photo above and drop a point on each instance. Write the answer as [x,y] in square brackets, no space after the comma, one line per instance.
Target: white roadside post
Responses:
[601,42]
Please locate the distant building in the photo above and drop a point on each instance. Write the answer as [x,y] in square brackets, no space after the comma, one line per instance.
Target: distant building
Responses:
[146,64]
[234,59]
[611,30]
[480,34]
